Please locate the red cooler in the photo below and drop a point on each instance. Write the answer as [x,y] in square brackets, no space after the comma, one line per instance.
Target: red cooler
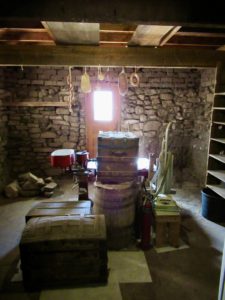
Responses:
[63,158]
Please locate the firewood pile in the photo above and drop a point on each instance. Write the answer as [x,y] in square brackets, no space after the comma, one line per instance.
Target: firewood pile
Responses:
[29,185]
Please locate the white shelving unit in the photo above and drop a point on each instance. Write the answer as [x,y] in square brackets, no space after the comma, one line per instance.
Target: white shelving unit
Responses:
[215,179]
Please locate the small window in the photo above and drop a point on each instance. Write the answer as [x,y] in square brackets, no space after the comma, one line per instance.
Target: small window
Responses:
[103,106]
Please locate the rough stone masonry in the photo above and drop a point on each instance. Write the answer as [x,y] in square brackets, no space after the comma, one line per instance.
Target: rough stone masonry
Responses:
[30,134]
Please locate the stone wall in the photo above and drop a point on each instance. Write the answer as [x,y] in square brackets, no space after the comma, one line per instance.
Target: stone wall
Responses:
[4,166]
[183,96]
[34,132]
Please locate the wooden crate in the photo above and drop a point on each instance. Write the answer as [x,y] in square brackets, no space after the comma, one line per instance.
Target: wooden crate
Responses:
[61,251]
[63,208]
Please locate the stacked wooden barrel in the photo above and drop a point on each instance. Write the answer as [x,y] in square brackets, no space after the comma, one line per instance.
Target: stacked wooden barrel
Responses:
[116,185]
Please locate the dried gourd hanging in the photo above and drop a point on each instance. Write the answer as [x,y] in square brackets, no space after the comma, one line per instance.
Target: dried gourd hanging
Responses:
[85,82]
[123,83]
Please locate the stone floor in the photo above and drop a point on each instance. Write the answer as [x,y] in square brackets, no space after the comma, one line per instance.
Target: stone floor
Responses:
[185,273]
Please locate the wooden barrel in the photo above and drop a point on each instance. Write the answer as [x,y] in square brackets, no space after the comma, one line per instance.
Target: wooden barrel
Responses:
[117,203]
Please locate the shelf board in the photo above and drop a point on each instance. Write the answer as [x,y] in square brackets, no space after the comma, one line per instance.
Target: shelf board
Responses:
[219,107]
[220,94]
[219,174]
[218,140]
[219,123]
[218,157]
[220,190]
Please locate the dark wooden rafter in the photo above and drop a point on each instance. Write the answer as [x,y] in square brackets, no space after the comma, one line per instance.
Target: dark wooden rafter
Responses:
[108,56]
[19,35]
[115,34]
[196,40]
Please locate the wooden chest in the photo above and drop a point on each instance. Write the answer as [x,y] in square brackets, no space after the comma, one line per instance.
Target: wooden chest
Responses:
[118,144]
[114,177]
[117,157]
[59,208]
[61,251]
[111,163]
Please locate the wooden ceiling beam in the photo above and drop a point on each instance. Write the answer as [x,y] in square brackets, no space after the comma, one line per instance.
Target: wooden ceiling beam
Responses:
[108,56]
[17,34]
[115,37]
[196,40]
[201,34]
[164,12]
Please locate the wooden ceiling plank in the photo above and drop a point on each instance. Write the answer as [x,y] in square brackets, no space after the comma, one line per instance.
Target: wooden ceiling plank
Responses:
[108,56]
[117,27]
[183,40]
[192,45]
[168,35]
[73,33]
[23,34]
[27,42]
[120,37]
[201,34]
[149,35]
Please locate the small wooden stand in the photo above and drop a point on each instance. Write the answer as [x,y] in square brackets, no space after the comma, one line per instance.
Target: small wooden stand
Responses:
[167,228]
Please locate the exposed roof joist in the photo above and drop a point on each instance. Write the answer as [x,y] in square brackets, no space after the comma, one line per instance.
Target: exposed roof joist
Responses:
[113,56]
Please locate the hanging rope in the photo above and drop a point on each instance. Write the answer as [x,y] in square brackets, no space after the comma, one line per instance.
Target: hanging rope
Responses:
[71,89]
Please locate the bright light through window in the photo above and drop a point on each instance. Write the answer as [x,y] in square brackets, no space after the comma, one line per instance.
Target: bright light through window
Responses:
[103,106]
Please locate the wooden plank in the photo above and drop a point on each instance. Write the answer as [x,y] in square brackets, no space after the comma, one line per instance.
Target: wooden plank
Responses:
[222,141]
[219,174]
[117,27]
[219,123]
[15,23]
[198,40]
[169,35]
[112,36]
[117,11]
[73,33]
[108,56]
[36,104]
[220,190]
[27,42]
[21,34]
[149,35]
[218,157]
[200,34]
[219,108]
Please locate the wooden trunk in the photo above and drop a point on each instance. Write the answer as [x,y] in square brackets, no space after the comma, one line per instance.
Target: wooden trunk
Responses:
[116,177]
[58,251]
[111,163]
[117,157]
[118,144]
